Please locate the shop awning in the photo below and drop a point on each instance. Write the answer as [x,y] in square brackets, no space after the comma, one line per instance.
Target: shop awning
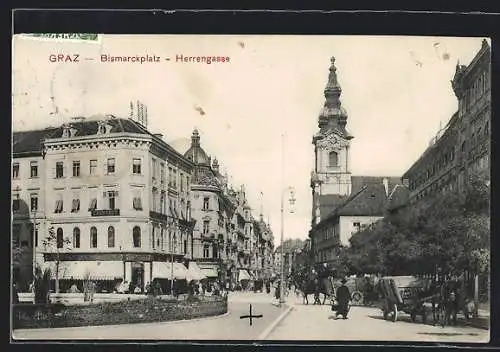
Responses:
[195,273]
[82,270]
[164,270]
[209,272]
[244,275]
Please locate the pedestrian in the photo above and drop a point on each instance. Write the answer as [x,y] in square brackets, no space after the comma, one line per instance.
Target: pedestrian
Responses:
[92,291]
[15,293]
[277,292]
[343,298]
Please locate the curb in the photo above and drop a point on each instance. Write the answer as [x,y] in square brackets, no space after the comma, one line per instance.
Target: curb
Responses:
[172,322]
[278,320]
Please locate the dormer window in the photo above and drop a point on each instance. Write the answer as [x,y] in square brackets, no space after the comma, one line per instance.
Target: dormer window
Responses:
[68,131]
[103,127]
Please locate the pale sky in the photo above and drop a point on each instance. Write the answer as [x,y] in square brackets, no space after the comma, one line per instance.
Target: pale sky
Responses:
[396,91]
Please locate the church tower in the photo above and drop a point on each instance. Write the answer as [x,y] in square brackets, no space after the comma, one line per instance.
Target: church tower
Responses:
[331,175]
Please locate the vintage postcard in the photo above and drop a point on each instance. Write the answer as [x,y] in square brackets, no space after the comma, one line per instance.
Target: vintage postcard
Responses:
[257,188]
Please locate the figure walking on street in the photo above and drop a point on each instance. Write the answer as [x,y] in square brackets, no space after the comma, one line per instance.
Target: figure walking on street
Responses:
[343,298]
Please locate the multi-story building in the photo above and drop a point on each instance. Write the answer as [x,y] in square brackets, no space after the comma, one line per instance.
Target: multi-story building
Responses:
[263,250]
[463,146]
[28,201]
[224,244]
[291,251]
[116,195]
[342,203]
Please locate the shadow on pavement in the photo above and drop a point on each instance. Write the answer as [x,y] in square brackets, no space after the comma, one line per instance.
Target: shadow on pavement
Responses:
[449,333]
[461,322]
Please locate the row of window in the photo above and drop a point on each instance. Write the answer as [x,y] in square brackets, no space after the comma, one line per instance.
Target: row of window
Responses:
[478,87]
[158,168]
[110,202]
[136,238]
[478,135]
[33,170]
[60,171]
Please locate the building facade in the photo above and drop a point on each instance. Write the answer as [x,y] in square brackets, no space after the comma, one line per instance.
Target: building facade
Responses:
[342,203]
[116,197]
[226,242]
[463,146]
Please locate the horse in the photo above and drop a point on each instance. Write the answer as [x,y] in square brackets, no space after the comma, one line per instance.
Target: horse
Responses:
[447,300]
[313,286]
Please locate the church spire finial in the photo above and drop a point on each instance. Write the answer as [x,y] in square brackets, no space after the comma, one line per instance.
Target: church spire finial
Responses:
[332,113]
[333,86]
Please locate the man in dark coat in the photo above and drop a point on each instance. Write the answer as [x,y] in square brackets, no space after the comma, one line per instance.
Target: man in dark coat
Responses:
[343,298]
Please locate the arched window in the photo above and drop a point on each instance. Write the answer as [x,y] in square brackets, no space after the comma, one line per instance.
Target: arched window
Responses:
[215,251]
[333,158]
[93,237]
[76,237]
[136,233]
[111,237]
[59,238]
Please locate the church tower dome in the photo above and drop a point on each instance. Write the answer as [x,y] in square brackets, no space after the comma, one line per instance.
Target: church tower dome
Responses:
[333,114]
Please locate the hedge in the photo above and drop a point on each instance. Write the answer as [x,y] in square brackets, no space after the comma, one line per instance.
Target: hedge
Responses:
[151,309]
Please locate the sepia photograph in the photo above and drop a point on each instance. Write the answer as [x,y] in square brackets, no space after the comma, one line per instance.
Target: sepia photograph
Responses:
[250,187]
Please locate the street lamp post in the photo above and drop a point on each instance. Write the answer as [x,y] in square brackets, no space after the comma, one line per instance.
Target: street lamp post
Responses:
[34,256]
[171,265]
[292,201]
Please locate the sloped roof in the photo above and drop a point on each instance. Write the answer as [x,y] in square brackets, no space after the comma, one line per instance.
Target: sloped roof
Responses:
[30,141]
[399,197]
[328,203]
[358,182]
[371,200]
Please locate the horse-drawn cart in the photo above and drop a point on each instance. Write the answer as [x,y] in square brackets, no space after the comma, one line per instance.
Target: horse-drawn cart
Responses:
[406,294]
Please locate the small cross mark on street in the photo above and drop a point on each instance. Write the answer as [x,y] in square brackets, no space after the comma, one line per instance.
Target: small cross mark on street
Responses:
[250,316]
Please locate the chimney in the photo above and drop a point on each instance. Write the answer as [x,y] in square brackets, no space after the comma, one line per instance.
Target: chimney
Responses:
[386,186]
[158,135]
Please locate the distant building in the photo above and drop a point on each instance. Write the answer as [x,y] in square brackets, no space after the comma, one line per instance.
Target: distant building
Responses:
[291,250]
[342,203]
[228,243]
[463,146]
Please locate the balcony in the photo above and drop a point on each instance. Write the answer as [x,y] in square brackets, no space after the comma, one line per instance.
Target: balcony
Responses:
[105,212]
[158,216]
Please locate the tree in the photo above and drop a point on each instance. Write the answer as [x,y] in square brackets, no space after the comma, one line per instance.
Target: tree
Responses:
[42,285]
[21,260]
[448,231]
[53,243]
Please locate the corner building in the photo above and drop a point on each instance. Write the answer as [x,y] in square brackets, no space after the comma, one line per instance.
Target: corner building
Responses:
[463,146]
[106,189]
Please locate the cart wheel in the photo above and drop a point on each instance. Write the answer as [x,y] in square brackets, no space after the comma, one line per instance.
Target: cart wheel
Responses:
[357,298]
[395,313]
